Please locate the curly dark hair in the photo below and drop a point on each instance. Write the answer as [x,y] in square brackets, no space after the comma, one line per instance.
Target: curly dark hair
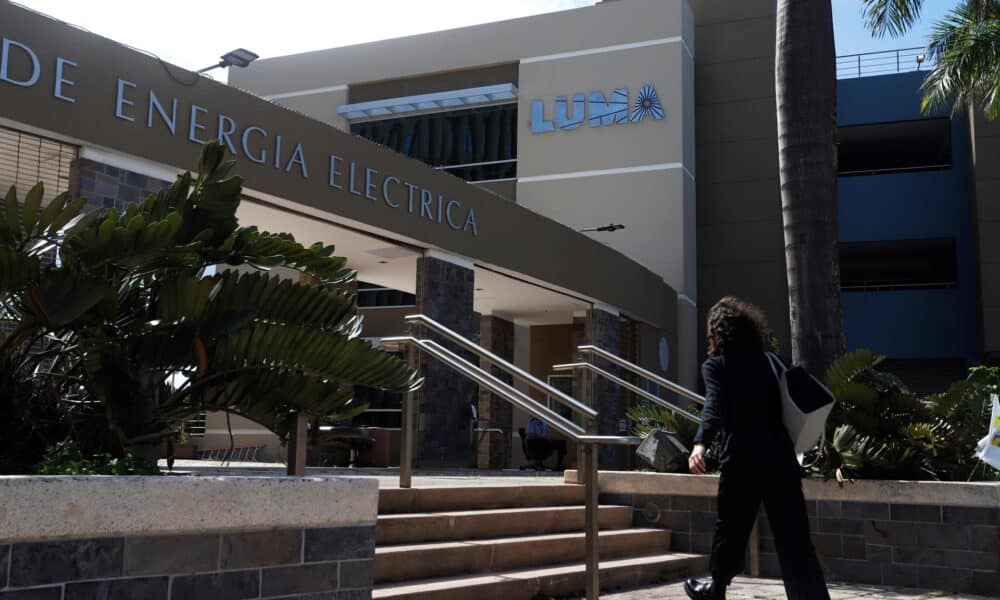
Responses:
[735,325]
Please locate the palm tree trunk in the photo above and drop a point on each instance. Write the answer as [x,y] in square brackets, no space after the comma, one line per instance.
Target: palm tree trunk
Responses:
[806,89]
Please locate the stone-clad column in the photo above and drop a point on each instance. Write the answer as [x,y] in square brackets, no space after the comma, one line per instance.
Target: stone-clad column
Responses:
[602,329]
[444,293]
[497,336]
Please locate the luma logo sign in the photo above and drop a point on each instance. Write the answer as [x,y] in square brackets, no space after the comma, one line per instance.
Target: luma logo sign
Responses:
[596,109]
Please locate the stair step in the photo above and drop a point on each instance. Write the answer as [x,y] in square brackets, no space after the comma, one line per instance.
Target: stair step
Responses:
[561,580]
[423,561]
[432,499]
[486,524]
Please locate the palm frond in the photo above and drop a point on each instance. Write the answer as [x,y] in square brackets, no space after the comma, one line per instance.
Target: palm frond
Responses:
[966,47]
[890,17]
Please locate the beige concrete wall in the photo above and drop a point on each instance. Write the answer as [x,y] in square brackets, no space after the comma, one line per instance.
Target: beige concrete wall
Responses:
[627,43]
[609,146]
[649,204]
[507,188]
[321,106]
[61,508]
[599,26]
[435,82]
[619,44]
[986,149]
[245,433]
[740,239]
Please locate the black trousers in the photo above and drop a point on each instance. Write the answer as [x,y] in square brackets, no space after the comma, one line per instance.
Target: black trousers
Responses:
[741,492]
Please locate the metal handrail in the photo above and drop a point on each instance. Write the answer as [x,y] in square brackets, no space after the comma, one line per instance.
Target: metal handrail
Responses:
[882,62]
[486,379]
[505,365]
[587,469]
[643,373]
[628,386]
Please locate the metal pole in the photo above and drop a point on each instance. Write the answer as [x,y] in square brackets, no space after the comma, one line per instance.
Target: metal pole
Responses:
[590,426]
[406,435]
[859,65]
[297,445]
[591,522]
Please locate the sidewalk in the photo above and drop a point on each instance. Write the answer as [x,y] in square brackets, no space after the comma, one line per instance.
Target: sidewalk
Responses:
[745,588]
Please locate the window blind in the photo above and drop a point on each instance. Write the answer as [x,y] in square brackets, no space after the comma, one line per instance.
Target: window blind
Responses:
[26,159]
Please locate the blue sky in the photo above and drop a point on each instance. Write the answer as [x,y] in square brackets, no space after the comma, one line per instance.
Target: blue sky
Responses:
[853,38]
[277,28]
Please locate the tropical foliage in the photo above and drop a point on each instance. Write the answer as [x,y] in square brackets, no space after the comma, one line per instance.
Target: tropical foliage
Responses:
[67,458]
[965,46]
[145,318]
[879,429]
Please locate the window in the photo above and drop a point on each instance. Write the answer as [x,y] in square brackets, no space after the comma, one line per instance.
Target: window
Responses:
[894,147]
[373,296]
[477,144]
[26,159]
[563,383]
[195,426]
[384,408]
[903,264]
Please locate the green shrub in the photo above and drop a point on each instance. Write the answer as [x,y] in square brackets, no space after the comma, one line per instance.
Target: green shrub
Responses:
[66,458]
[879,429]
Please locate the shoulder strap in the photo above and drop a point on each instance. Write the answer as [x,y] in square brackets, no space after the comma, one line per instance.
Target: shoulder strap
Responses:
[774,361]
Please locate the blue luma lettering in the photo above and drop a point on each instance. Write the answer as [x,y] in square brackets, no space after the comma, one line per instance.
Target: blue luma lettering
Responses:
[597,109]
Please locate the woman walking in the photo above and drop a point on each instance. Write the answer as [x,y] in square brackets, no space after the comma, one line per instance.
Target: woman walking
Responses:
[758,463]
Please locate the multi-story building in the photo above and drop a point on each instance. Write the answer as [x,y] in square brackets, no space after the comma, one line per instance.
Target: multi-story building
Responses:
[464,172]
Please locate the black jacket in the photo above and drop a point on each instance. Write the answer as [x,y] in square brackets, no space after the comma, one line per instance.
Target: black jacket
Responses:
[743,404]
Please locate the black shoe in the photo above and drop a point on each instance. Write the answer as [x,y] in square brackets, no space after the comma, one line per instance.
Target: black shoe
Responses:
[703,590]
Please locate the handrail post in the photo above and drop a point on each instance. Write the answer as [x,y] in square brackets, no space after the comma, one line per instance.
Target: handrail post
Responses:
[859,66]
[591,522]
[406,435]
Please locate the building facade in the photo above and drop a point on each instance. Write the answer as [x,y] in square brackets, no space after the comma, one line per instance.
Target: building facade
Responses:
[465,174]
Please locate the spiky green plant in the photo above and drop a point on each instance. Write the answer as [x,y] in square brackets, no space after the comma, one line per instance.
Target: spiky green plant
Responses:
[878,428]
[965,46]
[128,325]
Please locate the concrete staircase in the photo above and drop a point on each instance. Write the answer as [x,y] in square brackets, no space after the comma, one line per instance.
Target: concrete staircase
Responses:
[510,542]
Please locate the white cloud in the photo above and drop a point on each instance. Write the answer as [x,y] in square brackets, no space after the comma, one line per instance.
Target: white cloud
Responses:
[193,33]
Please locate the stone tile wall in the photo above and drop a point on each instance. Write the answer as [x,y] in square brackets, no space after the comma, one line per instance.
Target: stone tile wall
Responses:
[105,186]
[494,452]
[335,562]
[933,546]
[601,329]
[444,437]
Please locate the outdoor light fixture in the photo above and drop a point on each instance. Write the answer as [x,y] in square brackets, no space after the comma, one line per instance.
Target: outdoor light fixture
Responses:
[920,59]
[611,227]
[241,57]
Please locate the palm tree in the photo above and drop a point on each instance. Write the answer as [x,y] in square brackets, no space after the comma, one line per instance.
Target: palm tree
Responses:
[806,89]
[965,45]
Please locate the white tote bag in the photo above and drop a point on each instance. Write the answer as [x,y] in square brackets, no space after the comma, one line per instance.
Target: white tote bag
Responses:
[988,448]
[805,405]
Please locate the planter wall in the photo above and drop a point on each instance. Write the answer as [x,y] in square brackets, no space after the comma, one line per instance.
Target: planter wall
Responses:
[160,538]
[933,535]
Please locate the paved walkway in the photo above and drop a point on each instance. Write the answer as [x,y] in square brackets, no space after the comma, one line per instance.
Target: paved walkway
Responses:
[745,588]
